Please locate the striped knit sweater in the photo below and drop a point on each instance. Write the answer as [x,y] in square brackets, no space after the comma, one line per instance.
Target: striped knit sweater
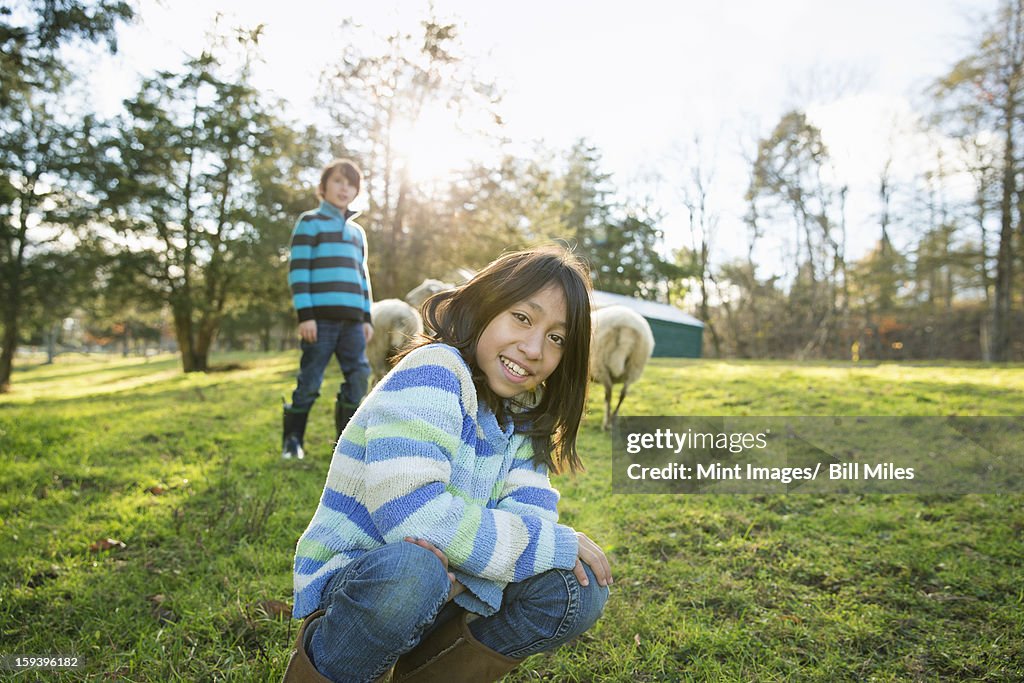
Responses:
[327,273]
[423,458]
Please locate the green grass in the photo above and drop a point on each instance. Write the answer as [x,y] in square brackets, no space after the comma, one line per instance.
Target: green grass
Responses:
[780,587]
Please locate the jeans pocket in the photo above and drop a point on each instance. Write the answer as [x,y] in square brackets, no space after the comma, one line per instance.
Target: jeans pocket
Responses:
[552,629]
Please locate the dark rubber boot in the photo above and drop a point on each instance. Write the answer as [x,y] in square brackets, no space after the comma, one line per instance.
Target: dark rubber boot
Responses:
[343,412]
[292,434]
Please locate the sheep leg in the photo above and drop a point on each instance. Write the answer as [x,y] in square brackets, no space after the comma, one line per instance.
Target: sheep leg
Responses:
[622,395]
[607,406]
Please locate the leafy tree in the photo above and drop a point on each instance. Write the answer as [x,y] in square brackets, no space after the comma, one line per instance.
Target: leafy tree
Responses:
[514,203]
[754,315]
[630,263]
[185,174]
[115,311]
[281,191]
[621,242]
[371,96]
[545,198]
[41,143]
[59,282]
[32,33]
[791,175]
[588,212]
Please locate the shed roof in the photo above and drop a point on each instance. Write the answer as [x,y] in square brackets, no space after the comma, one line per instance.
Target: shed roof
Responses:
[648,309]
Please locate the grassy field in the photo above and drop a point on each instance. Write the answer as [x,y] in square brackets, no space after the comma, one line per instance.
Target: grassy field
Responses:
[147,527]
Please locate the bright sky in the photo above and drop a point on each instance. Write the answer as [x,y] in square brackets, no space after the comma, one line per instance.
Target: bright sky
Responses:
[639,79]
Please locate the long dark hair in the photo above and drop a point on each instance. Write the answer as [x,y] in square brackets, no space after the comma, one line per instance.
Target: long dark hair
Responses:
[458,318]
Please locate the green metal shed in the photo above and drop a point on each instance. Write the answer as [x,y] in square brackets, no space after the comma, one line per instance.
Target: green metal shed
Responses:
[676,334]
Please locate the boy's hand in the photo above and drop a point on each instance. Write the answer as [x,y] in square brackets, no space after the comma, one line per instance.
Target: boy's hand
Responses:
[307,331]
[456,586]
[592,554]
[368,332]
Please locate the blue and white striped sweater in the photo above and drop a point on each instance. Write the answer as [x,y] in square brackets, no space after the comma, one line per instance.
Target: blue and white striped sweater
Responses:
[422,458]
[327,271]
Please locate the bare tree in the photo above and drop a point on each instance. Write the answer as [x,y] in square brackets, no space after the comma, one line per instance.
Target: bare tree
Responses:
[703,222]
[982,96]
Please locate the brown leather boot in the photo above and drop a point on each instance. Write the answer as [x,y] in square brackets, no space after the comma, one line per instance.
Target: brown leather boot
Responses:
[300,668]
[451,654]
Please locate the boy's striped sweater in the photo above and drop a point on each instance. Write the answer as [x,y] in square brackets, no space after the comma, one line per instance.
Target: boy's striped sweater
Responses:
[327,271]
[423,458]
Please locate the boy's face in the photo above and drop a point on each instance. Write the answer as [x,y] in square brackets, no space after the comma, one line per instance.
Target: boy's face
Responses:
[338,190]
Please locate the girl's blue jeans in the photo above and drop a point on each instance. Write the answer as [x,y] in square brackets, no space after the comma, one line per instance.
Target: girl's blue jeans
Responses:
[381,605]
[344,340]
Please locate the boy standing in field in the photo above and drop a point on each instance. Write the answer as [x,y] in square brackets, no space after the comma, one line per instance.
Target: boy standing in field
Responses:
[330,284]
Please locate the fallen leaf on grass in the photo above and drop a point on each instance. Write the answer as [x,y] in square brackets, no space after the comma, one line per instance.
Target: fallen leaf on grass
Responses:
[106,544]
[156,490]
[162,614]
[636,639]
[117,674]
[275,609]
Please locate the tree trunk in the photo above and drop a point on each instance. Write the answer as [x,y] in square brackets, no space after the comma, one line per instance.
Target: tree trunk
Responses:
[265,335]
[1002,310]
[705,305]
[204,342]
[1000,338]
[51,343]
[398,247]
[183,332]
[14,281]
[201,355]
[10,344]
[126,340]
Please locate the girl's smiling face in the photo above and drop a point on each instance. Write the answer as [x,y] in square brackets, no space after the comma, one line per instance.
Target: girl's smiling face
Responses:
[523,344]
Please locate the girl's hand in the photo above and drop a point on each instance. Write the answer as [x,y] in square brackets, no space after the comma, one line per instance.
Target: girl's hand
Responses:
[592,554]
[456,586]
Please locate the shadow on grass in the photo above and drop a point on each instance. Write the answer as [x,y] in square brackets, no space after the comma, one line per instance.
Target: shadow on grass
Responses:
[188,595]
[134,366]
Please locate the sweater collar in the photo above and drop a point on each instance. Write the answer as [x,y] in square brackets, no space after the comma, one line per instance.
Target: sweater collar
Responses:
[331,210]
[493,430]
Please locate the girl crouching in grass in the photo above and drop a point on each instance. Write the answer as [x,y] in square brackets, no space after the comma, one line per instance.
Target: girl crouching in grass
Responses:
[435,552]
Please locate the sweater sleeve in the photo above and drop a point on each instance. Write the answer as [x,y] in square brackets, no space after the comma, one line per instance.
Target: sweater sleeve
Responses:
[527,489]
[422,415]
[300,267]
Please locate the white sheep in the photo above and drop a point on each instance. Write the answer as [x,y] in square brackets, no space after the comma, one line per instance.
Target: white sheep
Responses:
[623,342]
[424,291]
[394,324]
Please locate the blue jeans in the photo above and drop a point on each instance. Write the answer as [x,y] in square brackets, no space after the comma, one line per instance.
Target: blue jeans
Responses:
[345,340]
[382,604]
